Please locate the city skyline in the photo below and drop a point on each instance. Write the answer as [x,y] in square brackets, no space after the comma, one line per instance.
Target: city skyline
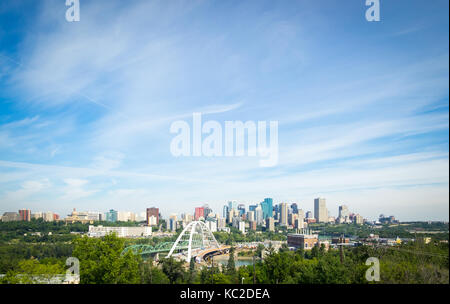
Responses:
[362,106]
[332,209]
[291,207]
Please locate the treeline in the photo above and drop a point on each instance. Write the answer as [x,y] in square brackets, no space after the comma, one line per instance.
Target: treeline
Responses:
[38,231]
[59,230]
[39,225]
[251,236]
[102,262]
[386,231]
[12,254]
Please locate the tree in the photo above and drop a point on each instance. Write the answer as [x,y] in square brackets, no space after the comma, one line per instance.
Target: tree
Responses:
[300,253]
[330,271]
[192,270]
[284,247]
[259,250]
[102,261]
[152,274]
[229,240]
[33,272]
[276,266]
[172,269]
[231,266]
[315,251]
[322,249]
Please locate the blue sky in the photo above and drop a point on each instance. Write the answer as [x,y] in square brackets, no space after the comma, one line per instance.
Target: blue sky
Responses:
[362,106]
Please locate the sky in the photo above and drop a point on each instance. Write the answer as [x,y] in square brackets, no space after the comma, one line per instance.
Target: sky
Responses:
[362,107]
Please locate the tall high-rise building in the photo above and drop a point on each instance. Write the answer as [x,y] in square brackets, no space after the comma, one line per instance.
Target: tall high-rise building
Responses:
[267,207]
[292,217]
[251,216]
[221,223]
[343,211]
[241,209]
[270,224]
[284,214]
[153,211]
[299,223]
[232,205]
[230,216]
[320,210]
[206,211]
[259,215]
[252,207]
[276,210]
[358,219]
[301,213]
[173,222]
[199,213]
[225,212]
[309,214]
[25,215]
[294,208]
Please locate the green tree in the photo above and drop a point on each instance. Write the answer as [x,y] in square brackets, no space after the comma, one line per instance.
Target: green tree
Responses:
[192,271]
[322,250]
[173,270]
[231,266]
[33,272]
[152,275]
[276,266]
[102,261]
[315,251]
[259,250]
[300,253]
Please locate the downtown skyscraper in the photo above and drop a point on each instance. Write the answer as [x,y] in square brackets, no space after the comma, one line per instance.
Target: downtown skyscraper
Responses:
[267,207]
[320,210]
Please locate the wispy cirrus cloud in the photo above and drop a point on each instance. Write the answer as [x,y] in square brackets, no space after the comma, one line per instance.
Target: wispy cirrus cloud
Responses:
[362,110]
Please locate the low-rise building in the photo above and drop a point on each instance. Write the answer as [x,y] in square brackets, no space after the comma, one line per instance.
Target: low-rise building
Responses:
[310,220]
[340,240]
[225,229]
[212,225]
[75,216]
[303,241]
[100,231]
[48,216]
[10,217]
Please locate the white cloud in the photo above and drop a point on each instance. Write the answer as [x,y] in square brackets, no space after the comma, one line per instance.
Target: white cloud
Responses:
[27,190]
[74,189]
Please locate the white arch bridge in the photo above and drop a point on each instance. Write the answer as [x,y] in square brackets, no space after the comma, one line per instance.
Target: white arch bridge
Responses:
[196,239]
[197,236]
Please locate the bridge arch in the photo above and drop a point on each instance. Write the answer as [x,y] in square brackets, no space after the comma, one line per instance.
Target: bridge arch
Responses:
[197,232]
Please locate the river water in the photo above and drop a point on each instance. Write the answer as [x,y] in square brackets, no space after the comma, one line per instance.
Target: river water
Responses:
[238,261]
